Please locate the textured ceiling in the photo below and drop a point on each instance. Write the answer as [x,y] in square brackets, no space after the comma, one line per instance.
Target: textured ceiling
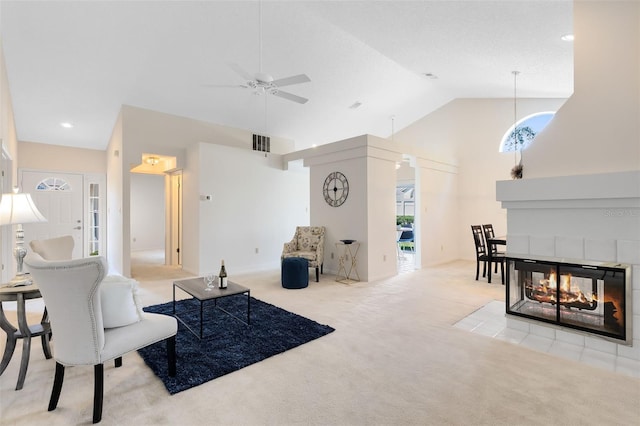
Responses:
[80,61]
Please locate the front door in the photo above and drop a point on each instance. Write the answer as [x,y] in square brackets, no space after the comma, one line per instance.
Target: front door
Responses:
[59,197]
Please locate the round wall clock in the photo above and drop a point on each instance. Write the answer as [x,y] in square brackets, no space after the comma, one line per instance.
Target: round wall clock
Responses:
[335,189]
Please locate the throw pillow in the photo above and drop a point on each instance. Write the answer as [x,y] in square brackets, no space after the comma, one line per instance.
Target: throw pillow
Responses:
[119,301]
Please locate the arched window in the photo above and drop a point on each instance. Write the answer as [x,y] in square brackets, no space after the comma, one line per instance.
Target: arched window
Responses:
[527,129]
[53,184]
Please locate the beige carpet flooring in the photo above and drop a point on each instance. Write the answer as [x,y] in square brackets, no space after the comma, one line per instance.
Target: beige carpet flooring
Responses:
[394,359]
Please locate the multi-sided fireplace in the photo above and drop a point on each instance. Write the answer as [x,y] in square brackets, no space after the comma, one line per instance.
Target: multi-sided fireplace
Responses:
[594,297]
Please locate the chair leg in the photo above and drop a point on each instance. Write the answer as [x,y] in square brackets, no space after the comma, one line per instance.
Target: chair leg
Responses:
[484,269]
[502,271]
[171,355]
[317,274]
[322,268]
[98,389]
[118,362]
[477,269]
[46,348]
[57,386]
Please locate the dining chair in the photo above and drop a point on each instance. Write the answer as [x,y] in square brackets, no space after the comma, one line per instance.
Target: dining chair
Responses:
[489,234]
[71,289]
[482,253]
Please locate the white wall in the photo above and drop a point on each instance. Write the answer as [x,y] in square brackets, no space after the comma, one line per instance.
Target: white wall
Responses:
[9,165]
[41,156]
[438,210]
[7,124]
[348,221]
[381,180]
[147,211]
[254,205]
[190,249]
[117,235]
[473,129]
[145,131]
[368,214]
[598,129]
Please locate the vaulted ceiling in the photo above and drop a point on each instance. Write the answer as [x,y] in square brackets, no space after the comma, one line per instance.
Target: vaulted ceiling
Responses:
[79,61]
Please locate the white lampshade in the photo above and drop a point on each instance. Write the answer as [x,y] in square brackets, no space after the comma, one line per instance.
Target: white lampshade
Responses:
[19,208]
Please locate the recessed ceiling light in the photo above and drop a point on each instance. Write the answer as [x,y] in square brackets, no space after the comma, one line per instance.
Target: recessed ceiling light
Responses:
[567,37]
[430,76]
[355,105]
[66,125]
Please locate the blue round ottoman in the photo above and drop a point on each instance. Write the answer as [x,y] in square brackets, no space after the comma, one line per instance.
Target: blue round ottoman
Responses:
[295,272]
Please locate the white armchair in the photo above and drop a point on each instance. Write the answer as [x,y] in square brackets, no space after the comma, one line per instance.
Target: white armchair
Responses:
[308,243]
[71,292]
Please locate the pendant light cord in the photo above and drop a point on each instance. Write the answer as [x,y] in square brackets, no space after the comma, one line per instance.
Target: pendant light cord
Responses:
[515,117]
[260,36]
[393,118]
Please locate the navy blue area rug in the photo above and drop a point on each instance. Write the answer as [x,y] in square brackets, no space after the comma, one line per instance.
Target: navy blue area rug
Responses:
[228,344]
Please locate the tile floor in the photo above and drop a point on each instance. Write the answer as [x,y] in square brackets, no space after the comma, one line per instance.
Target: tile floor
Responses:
[406,261]
[490,321]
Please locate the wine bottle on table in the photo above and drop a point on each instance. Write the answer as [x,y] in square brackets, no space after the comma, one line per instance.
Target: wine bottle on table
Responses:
[222,276]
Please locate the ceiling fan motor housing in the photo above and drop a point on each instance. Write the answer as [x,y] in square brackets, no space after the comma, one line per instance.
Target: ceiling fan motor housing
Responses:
[262,77]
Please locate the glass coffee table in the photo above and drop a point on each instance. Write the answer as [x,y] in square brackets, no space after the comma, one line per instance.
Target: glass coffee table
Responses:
[196,288]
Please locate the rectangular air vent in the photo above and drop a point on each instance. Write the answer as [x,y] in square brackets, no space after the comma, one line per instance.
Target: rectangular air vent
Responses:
[261,143]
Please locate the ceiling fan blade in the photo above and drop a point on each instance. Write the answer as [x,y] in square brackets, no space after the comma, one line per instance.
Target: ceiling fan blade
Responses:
[290,96]
[232,86]
[237,68]
[287,81]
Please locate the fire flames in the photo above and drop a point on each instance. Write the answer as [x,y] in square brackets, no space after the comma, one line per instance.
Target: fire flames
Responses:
[570,294]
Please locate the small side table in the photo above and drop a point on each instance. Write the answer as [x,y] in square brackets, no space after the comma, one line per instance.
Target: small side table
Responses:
[24,330]
[348,264]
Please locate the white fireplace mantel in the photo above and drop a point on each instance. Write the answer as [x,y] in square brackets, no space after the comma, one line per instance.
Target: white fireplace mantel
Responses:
[621,188]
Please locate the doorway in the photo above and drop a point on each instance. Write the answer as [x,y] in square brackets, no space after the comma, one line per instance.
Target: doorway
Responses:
[156,225]
[406,225]
[147,221]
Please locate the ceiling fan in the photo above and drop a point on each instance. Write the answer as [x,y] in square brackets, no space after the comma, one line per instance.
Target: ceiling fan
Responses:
[262,83]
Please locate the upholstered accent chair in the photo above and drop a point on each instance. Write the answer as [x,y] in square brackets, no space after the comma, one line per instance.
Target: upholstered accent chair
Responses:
[88,329]
[59,248]
[307,243]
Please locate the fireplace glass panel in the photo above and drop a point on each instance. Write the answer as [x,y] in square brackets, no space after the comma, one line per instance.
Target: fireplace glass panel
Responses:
[585,297]
[529,287]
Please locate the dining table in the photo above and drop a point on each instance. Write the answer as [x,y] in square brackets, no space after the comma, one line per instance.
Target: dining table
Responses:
[491,242]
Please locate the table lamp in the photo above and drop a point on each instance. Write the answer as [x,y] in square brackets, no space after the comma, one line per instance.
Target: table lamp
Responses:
[16,209]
